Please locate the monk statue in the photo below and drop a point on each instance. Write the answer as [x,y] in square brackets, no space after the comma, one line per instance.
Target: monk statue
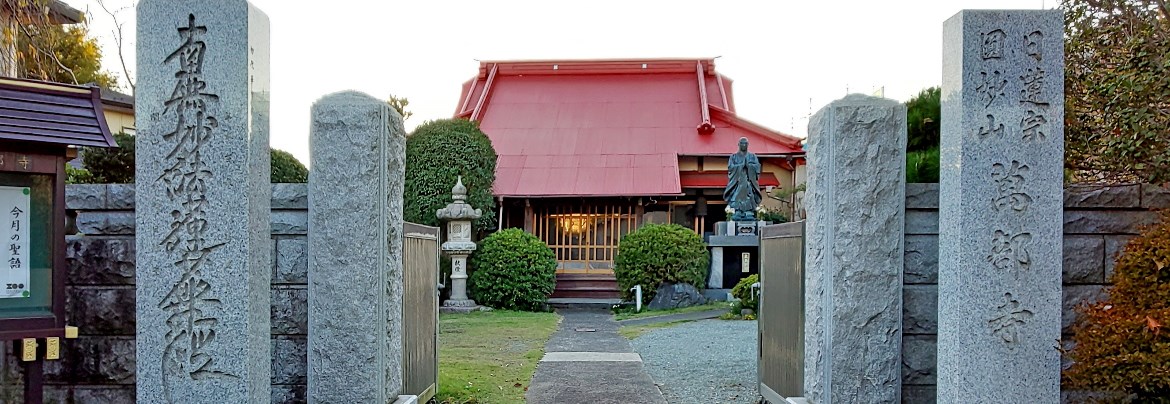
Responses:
[743,183]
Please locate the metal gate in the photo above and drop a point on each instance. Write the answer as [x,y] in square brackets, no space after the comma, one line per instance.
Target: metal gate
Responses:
[420,311]
[780,365]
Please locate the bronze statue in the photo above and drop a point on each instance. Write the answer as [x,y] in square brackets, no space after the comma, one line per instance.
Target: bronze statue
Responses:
[743,183]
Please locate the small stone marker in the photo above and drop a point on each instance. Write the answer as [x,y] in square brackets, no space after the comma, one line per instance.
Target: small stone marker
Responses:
[202,203]
[855,224]
[355,250]
[1000,207]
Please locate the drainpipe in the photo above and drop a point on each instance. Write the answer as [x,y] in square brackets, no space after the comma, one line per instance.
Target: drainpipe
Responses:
[500,217]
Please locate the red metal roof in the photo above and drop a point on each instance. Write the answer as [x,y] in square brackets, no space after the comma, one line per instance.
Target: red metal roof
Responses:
[36,111]
[606,128]
[718,179]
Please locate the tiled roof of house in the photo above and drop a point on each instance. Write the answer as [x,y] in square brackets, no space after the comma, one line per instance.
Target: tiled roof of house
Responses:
[607,128]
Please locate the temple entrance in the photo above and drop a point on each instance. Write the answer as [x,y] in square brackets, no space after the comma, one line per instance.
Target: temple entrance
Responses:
[584,236]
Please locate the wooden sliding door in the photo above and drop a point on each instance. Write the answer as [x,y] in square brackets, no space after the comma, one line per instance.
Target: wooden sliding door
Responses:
[584,237]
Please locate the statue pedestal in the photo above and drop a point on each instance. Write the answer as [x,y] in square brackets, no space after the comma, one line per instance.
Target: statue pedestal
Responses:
[738,228]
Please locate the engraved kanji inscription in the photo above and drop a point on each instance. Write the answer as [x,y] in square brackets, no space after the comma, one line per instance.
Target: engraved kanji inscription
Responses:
[990,87]
[1032,44]
[190,303]
[991,129]
[1032,89]
[1008,318]
[1032,125]
[992,44]
[23,161]
[1011,251]
[1009,185]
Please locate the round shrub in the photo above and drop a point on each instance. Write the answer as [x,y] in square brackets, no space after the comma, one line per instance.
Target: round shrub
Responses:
[1122,343]
[113,165]
[660,253]
[743,292]
[512,270]
[437,152]
[287,169]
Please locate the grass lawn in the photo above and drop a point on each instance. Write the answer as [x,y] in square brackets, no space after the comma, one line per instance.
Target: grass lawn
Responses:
[489,357]
[635,331]
[655,313]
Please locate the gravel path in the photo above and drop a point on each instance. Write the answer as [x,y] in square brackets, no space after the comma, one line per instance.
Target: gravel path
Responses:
[708,361]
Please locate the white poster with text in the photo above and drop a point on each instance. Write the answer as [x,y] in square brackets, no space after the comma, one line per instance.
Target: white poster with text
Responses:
[14,238]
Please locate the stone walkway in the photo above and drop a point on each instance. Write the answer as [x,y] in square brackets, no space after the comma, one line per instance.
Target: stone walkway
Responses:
[587,361]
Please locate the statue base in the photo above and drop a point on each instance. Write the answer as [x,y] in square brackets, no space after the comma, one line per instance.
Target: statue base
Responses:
[459,306]
[738,228]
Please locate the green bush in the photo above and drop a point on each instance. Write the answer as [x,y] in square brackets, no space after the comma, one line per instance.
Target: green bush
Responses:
[923,115]
[512,270]
[773,216]
[660,253]
[743,292]
[1122,344]
[109,165]
[77,175]
[437,152]
[287,169]
[922,166]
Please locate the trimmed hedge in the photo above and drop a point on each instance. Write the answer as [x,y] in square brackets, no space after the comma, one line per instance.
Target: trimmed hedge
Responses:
[438,152]
[287,169]
[1123,343]
[660,253]
[512,270]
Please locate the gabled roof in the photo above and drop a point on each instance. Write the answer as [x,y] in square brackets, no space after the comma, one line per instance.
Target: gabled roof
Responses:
[607,127]
[37,111]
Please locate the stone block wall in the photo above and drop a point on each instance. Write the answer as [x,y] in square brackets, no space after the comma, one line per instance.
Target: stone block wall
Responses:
[99,366]
[1098,221]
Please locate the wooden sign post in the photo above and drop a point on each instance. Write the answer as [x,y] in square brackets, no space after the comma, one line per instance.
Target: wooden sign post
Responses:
[38,123]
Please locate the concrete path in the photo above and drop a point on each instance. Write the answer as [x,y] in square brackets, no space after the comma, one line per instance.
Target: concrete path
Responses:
[587,361]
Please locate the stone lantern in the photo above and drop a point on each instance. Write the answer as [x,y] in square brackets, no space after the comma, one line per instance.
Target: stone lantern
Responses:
[458,215]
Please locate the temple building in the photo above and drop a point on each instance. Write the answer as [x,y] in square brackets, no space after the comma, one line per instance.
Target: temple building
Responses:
[591,149]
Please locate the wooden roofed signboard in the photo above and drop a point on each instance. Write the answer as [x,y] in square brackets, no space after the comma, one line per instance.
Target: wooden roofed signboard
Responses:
[38,123]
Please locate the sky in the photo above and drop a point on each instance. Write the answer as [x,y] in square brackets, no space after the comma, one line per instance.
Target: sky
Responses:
[787,58]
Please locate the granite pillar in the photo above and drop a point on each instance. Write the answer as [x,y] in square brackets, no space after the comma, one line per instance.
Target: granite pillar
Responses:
[715,280]
[202,203]
[855,225]
[1000,207]
[355,250]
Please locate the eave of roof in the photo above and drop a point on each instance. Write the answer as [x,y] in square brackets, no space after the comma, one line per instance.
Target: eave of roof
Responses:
[62,13]
[45,112]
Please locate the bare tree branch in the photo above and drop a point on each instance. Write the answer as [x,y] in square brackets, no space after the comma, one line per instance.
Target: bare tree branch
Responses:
[118,39]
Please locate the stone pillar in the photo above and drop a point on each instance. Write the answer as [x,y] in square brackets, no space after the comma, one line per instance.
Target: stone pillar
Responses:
[355,250]
[458,215]
[1000,207]
[856,219]
[715,280]
[202,203]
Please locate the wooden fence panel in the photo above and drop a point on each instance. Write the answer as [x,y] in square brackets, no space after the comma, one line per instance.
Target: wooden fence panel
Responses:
[420,311]
[781,319]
